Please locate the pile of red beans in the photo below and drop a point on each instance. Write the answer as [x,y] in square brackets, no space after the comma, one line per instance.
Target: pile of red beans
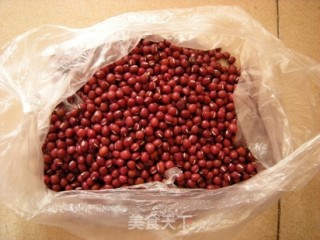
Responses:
[159,107]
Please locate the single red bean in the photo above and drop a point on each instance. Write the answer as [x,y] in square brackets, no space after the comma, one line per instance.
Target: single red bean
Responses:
[125,154]
[149,147]
[54,179]
[250,167]
[103,151]
[169,164]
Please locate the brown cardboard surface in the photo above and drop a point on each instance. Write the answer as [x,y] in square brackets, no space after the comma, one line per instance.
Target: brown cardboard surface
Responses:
[299,30]
[299,26]
[18,16]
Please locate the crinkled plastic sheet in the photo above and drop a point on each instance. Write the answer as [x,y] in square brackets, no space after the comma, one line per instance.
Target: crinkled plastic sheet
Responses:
[277,103]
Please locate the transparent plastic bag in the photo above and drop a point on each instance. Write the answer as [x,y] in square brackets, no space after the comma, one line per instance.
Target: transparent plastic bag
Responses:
[277,104]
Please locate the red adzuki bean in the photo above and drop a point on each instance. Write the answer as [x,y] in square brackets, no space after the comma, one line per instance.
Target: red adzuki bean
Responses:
[159,107]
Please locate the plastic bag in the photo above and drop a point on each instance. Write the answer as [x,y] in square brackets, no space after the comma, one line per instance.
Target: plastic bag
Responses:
[277,104]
